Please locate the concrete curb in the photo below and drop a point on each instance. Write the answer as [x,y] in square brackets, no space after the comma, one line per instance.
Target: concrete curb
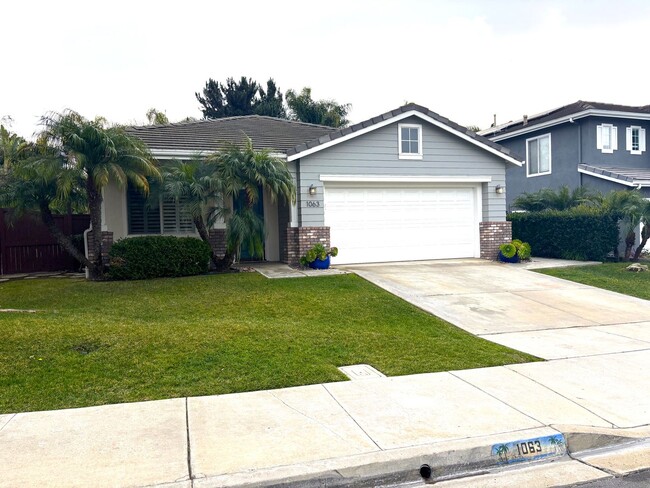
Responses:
[448,460]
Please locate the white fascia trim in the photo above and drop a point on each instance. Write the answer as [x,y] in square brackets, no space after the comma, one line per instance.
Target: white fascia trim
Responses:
[404,179]
[185,154]
[562,120]
[608,178]
[397,118]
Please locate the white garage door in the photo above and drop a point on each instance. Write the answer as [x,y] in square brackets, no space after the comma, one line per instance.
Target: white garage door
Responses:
[379,223]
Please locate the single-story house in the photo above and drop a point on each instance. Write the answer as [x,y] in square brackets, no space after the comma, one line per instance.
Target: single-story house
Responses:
[406,185]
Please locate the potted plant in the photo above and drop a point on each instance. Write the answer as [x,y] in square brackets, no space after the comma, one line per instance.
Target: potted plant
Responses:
[508,253]
[515,251]
[318,257]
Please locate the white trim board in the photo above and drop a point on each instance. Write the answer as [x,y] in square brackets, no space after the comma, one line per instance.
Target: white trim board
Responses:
[397,118]
[404,179]
[183,153]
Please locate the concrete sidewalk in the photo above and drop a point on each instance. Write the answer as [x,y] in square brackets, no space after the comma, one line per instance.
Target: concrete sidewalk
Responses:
[594,390]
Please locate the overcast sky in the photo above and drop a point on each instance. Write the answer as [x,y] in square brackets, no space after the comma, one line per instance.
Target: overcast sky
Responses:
[463,59]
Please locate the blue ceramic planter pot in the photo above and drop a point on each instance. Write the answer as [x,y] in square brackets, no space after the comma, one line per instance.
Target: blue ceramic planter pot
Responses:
[513,259]
[320,263]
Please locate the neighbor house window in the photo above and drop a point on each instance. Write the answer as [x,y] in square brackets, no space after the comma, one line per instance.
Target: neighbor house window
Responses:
[410,141]
[635,139]
[538,155]
[156,214]
[607,138]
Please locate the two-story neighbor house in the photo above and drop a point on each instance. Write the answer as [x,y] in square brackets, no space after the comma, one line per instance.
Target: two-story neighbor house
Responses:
[408,184]
[598,145]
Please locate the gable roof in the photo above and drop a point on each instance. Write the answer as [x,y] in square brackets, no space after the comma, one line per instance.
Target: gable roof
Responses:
[637,177]
[335,137]
[211,135]
[563,114]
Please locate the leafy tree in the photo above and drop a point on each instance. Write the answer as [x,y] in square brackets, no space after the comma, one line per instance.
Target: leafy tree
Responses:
[325,112]
[245,170]
[156,117]
[561,199]
[270,101]
[102,153]
[243,97]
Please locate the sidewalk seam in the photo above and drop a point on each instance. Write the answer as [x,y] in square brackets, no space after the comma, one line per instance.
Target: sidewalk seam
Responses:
[189,448]
[499,400]
[8,421]
[614,426]
[351,417]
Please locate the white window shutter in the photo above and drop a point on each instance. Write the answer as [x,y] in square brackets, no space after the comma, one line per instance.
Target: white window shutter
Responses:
[599,137]
[614,138]
[642,140]
[628,139]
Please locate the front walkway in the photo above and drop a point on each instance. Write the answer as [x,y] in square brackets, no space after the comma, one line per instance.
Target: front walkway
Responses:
[280,270]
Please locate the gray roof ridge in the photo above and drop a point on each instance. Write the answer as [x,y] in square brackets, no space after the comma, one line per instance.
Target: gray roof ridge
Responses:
[234,117]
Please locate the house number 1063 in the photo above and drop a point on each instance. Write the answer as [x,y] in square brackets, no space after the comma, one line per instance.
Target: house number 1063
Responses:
[529,447]
[313,203]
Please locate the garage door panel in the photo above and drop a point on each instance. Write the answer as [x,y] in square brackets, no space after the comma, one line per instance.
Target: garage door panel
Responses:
[374,224]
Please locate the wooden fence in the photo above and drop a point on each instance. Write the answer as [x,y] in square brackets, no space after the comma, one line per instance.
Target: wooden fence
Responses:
[26,246]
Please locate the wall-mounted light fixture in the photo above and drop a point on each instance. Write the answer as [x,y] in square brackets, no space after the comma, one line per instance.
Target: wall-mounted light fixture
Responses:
[312,190]
[500,189]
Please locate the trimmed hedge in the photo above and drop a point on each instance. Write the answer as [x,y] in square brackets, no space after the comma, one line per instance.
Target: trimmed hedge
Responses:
[578,233]
[141,258]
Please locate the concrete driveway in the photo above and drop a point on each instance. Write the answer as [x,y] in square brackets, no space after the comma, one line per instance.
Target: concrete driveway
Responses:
[545,316]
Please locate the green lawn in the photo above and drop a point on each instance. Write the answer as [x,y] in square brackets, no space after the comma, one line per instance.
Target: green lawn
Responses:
[96,343]
[610,276]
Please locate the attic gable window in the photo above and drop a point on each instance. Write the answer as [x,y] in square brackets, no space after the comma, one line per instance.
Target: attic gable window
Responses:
[410,141]
[635,139]
[607,138]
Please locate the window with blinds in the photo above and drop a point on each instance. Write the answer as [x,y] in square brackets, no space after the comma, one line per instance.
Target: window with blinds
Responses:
[156,215]
[175,218]
[143,213]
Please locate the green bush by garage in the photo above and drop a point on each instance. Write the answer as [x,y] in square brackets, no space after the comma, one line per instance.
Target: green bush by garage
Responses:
[580,233]
[141,258]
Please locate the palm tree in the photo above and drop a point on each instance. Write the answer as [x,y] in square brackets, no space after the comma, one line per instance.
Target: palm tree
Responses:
[195,186]
[502,452]
[102,153]
[39,181]
[645,232]
[246,171]
[11,147]
[631,209]
[561,199]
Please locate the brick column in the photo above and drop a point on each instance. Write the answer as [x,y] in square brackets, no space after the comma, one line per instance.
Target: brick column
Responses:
[107,243]
[300,240]
[218,241]
[493,234]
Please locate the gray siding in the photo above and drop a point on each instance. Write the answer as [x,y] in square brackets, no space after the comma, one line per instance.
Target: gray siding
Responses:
[376,153]
[564,162]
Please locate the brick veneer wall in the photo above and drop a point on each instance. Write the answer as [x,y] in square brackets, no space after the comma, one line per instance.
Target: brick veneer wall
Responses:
[300,240]
[107,243]
[218,241]
[493,234]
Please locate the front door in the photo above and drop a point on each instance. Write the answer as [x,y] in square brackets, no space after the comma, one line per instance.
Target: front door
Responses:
[240,202]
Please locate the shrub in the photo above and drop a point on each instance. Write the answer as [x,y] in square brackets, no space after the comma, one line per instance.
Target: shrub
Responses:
[318,251]
[579,233]
[524,251]
[141,258]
